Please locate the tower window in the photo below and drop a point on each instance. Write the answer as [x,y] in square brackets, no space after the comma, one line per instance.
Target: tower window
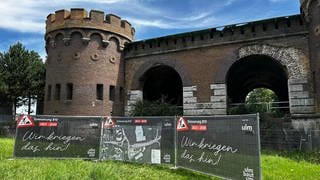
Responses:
[49,93]
[69,91]
[99,92]
[112,93]
[57,92]
[121,94]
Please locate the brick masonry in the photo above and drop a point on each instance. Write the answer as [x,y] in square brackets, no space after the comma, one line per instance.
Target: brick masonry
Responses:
[90,49]
[85,50]
[217,104]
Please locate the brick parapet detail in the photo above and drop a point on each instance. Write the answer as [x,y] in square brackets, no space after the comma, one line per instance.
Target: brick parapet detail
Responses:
[269,28]
[80,18]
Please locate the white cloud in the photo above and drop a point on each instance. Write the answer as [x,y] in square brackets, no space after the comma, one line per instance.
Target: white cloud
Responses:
[29,15]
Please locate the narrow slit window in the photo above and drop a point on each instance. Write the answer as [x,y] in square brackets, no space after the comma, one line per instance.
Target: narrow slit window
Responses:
[112,93]
[121,94]
[57,92]
[69,91]
[99,92]
[49,93]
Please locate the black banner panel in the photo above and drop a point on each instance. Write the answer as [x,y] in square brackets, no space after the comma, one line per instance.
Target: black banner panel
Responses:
[141,140]
[58,137]
[225,146]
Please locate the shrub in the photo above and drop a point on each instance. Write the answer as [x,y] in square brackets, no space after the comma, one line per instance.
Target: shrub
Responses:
[155,108]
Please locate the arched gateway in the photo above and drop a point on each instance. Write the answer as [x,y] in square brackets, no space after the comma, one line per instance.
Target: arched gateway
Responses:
[285,70]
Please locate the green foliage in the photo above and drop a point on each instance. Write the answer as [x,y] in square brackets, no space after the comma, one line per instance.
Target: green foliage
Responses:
[156,108]
[275,165]
[261,95]
[258,101]
[22,75]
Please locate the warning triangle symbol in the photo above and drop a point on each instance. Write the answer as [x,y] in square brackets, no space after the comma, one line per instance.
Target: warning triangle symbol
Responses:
[182,125]
[25,121]
[109,122]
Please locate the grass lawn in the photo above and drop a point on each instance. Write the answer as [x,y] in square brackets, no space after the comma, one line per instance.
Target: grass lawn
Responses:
[273,167]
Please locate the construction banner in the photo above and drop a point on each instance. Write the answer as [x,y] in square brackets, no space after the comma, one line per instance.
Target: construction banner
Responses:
[141,140]
[58,137]
[224,146]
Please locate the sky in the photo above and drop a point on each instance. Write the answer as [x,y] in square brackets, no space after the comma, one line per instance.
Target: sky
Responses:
[24,20]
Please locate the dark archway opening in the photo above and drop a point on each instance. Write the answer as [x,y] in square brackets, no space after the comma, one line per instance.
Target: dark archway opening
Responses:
[257,71]
[162,83]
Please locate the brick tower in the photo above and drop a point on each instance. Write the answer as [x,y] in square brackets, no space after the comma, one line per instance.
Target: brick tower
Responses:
[310,9]
[85,68]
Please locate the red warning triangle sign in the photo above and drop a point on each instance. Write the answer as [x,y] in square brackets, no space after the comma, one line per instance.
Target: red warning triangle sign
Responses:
[182,125]
[109,122]
[25,121]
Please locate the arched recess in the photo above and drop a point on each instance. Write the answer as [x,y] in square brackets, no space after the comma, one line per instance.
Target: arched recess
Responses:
[177,66]
[285,70]
[293,59]
[256,71]
[58,33]
[162,83]
[117,42]
[77,31]
[102,36]
[135,89]
[58,39]
[97,40]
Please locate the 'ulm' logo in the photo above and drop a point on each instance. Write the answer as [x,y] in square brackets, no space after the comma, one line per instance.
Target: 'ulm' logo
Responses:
[247,128]
[248,173]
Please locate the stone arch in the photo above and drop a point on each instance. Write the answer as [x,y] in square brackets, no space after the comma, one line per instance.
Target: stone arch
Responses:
[96,37]
[49,39]
[102,36]
[300,88]
[58,33]
[256,71]
[117,41]
[115,38]
[83,34]
[293,59]
[177,66]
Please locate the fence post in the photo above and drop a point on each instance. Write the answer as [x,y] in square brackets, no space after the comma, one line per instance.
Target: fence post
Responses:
[175,141]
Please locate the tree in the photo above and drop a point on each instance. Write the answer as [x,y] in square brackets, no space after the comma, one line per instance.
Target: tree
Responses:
[21,75]
[35,79]
[261,95]
[258,100]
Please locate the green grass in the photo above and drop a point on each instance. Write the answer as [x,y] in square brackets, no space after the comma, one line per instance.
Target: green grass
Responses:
[42,168]
[274,166]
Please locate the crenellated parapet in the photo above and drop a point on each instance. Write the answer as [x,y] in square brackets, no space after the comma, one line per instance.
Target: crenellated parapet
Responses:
[95,20]
[249,31]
